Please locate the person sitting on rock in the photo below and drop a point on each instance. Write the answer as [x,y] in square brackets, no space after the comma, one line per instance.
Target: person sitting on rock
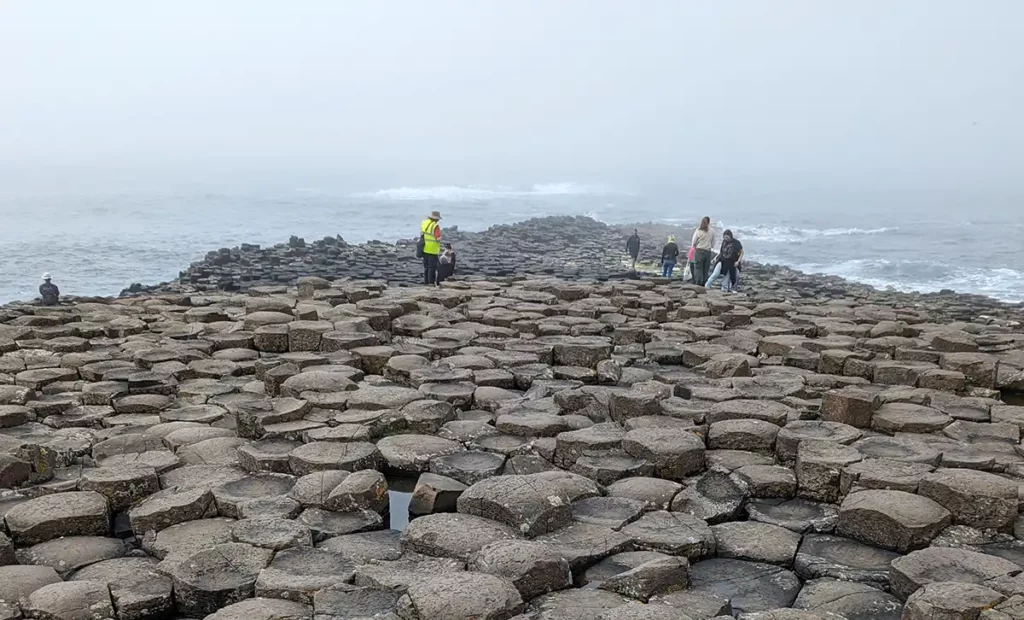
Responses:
[430,247]
[446,264]
[633,246]
[49,292]
[669,256]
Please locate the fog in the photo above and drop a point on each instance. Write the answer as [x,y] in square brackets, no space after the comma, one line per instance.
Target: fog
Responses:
[870,94]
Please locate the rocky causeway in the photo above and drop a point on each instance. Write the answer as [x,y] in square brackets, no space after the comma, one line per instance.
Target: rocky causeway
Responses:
[302,432]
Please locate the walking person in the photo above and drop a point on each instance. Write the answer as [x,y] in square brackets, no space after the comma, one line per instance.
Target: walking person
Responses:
[702,242]
[730,256]
[633,246]
[669,256]
[446,264]
[429,247]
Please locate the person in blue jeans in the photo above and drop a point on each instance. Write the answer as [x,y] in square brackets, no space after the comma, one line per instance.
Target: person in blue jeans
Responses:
[669,256]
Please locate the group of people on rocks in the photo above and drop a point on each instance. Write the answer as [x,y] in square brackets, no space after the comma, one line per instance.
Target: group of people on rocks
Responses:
[706,266]
[438,259]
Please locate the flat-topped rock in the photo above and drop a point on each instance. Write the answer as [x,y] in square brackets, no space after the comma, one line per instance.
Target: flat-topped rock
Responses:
[892,519]
[83,513]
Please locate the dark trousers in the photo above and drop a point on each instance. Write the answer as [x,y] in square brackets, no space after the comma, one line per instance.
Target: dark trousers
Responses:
[430,269]
[701,266]
[729,273]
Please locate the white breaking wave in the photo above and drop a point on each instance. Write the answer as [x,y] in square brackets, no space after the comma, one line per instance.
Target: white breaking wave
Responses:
[922,276]
[788,234]
[458,193]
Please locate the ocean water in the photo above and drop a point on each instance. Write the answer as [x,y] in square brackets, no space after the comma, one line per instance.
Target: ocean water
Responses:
[97,243]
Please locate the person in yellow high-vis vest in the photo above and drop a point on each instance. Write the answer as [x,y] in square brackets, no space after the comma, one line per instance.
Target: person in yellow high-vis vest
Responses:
[430,240]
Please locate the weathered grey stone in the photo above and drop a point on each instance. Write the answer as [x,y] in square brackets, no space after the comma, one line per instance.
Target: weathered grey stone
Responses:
[950,601]
[344,602]
[17,582]
[171,507]
[70,553]
[214,578]
[363,490]
[749,586]
[313,489]
[468,467]
[532,504]
[766,481]
[714,497]
[137,589]
[746,435]
[819,465]
[583,544]
[186,538]
[454,535]
[324,524]
[974,498]
[934,564]
[264,609]
[674,454]
[411,454]
[756,542]
[657,576]
[460,596]
[656,493]
[673,533]
[825,556]
[574,604]
[82,513]
[71,600]
[272,533]
[333,455]
[434,493]
[892,519]
[853,601]
[850,405]
[613,512]
[383,545]
[533,568]
[797,515]
[298,574]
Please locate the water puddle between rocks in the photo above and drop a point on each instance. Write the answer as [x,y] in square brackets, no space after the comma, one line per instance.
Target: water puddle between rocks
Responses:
[1013,398]
[399,495]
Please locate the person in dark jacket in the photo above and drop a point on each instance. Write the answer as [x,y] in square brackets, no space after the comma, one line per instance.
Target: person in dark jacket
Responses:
[669,256]
[633,246]
[49,292]
[446,264]
[730,255]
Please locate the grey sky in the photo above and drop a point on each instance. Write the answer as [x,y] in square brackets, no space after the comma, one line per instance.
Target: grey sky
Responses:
[846,93]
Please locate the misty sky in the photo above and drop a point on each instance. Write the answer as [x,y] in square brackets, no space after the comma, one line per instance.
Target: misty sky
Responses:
[913,93]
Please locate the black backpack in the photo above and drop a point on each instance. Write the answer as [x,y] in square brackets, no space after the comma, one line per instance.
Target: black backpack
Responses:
[419,246]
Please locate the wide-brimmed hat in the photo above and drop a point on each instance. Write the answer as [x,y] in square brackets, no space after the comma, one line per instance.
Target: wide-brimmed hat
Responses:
[435,215]
[46,276]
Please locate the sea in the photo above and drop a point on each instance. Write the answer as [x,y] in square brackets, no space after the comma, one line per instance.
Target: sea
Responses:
[99,242]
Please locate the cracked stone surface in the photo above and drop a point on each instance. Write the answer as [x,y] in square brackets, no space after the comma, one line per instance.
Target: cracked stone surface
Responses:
[564,444]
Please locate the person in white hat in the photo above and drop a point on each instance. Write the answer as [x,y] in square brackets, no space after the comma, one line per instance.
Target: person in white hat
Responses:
[49,292]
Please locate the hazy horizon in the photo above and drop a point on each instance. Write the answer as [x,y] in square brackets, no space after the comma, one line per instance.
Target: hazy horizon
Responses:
[913,95]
